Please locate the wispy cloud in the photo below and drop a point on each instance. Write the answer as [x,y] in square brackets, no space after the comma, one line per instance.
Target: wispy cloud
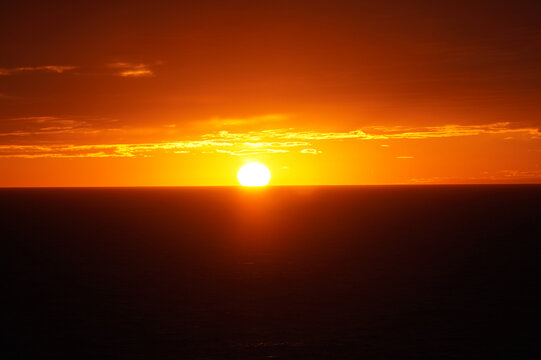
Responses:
[311,151]
[273,141]
[261,119]
[402,132]
[517,174]
[132,70]
[50,68]
[125,69]
[133,150]
[45,126]
[252,151]
[500,176]
[380,133]
[105,150]
[53,68]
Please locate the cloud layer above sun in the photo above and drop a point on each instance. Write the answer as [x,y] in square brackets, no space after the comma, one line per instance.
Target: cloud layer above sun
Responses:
[46,131]
[335,92]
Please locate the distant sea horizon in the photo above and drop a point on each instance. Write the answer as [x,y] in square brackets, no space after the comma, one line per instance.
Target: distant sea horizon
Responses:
[285,272]
[275,186]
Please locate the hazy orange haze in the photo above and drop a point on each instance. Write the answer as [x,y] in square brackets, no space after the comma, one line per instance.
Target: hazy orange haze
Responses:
[322,92]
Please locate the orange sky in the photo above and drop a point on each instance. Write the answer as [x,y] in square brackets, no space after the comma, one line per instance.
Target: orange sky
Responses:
[322,92]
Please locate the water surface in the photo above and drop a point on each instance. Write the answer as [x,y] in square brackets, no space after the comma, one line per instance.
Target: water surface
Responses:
[287,272]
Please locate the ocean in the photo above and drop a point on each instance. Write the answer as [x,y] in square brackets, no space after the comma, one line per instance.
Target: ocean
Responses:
[345,272]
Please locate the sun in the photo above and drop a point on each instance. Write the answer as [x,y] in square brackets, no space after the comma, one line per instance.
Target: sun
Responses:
[254,174]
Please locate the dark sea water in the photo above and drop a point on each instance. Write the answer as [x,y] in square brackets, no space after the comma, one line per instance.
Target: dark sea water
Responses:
[432,272]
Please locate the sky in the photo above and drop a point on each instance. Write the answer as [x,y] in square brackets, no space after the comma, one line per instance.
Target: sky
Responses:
[183,93]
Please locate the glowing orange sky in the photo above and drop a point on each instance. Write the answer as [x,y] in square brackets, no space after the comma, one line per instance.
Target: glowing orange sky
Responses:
[322,92]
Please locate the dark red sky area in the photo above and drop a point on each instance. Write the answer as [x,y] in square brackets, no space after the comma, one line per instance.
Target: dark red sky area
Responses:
[122,72]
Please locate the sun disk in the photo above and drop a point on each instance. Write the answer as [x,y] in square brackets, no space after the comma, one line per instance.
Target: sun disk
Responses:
[254,174]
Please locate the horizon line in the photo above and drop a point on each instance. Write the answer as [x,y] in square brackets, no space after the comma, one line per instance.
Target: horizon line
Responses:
[267,186]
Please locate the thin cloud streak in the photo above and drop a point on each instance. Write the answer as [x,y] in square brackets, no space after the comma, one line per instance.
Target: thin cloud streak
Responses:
[59,69]
[251,151]
[132,70]
[131,150]
[107,150]
[487,177]
[273,141]
[311,151]
[44,127]
[221,122]
[381,133]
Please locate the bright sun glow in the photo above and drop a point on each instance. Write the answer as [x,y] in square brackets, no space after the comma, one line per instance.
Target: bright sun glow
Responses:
[254,174]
